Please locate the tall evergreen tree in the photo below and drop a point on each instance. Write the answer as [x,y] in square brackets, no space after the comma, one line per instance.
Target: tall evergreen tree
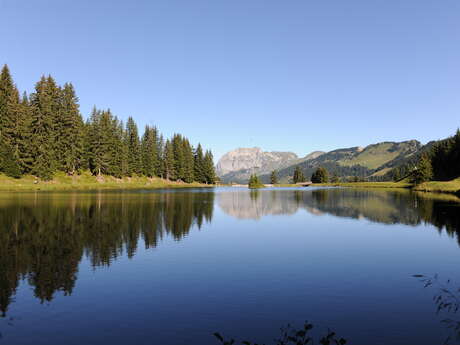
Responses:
[298,175]
[134,157]
[43,109]
[168,158]
[149,146]
[198,166]
[424,170]
[70,140]
[209,170]
[321,175]
[274,177]
[179,158]
[188,161]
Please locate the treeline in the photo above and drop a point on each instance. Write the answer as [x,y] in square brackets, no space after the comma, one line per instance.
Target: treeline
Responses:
[44,133]
[438,161]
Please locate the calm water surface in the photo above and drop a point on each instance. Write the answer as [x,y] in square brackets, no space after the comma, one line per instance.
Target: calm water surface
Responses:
[172,267]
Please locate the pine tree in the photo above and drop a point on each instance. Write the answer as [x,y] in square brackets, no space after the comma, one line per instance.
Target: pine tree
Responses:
[188,161]
[149,146]
[159,169]
[298,175]
[320,176]
[168,158]
[134,158]
[198,165]
[274,177]
[424,170]
[71,131]
[209,171]
[42,123]
[6,94]
[179,158]
[10,124]
[25,139]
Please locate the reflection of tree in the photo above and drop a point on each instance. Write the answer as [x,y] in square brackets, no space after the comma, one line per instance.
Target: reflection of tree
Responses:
[43,238]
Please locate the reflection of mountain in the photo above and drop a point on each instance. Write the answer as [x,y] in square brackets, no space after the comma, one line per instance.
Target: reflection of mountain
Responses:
[382,206]
[254,204]
[43,237]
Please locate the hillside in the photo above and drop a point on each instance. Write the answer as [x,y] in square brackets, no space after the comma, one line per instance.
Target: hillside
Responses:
[375,162]
[376,159]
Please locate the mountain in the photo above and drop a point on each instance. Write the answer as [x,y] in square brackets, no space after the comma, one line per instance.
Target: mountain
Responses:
[374,161]
[238,165]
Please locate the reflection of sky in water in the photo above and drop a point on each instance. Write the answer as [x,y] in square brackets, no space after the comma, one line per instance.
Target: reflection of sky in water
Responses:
[247,276]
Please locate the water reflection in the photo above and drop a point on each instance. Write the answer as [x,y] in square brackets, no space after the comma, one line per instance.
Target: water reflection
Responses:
[44,237]
[376,205]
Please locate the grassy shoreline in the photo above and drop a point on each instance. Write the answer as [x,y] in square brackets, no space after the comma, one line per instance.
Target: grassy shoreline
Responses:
[87,182]
[451,187]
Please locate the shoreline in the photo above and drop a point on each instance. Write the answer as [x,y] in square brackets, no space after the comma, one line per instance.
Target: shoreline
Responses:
[87,182]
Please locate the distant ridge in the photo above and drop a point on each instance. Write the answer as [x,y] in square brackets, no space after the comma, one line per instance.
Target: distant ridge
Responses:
[371,161]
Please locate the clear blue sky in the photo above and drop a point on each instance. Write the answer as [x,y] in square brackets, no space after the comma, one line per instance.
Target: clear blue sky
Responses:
[295,75]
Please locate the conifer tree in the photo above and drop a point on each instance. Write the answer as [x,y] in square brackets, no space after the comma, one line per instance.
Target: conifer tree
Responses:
[274,177]
[6,93]
[320,176]
[24,142]
[149,146]
[188,161]
[43,109]
[198,166]
[169,164]
[209,171]
[71,131]
[10,124]
[134,158]
[298,175]
[179,158]
[159,169]
[424,170]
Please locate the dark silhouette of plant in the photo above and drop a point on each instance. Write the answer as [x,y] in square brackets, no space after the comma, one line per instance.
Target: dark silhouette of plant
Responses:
[447,301]
[290,335]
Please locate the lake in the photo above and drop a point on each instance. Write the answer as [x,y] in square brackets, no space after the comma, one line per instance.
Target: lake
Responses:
[175,266]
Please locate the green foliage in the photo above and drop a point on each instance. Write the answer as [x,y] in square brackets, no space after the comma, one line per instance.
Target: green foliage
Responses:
[321,175]
[254,182]
[298,175]
[208,166]
[445,158]
[8,162]
[274,177]
[134,157]
[424,170]
[149,154]
[46,134]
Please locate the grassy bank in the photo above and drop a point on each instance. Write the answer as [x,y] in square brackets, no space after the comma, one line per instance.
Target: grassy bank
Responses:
[440,186]
[366,184]
[452,187]
[86,181]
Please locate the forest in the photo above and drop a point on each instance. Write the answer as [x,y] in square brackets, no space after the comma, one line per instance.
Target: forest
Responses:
[44,132]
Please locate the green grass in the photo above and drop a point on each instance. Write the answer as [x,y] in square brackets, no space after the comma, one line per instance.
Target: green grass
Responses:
[366,184]
[440,186]
[372,157]
[86,181]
